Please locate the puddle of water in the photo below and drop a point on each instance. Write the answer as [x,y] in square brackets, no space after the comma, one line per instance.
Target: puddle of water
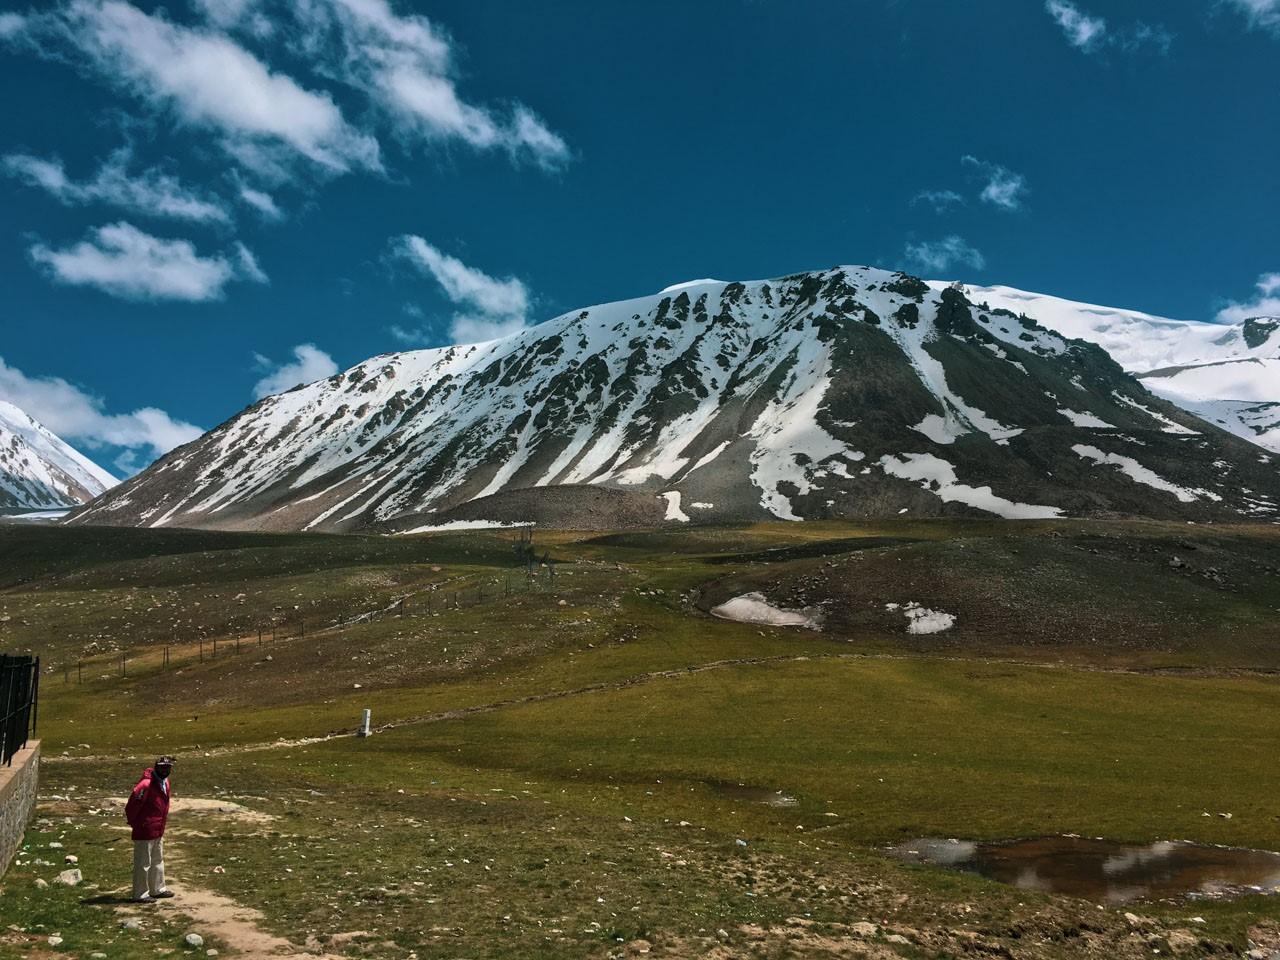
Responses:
[1104,871]
[749,794]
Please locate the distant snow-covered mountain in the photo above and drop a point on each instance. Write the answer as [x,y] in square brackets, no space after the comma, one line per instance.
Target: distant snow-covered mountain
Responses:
[1228,374]
[39,471]
[845,393]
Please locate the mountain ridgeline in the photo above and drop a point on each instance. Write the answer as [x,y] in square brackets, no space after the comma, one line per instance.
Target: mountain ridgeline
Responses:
[846,393]
[40,471]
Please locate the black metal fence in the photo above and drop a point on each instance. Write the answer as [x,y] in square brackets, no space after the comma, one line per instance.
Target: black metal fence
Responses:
[19,696]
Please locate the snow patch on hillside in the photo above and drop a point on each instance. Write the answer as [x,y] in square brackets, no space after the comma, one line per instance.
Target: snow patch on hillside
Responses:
[673,507]
[1139,474]
[787,429]
[922,620]
[1086,420]
[939,477]
[455,526]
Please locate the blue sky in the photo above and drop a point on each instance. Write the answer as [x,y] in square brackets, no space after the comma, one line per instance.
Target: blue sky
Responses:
[208,199]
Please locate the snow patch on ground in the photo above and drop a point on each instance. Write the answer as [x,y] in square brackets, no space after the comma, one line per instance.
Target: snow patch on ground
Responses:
[922,620]
[1136,472]
[937,475]
[754,608]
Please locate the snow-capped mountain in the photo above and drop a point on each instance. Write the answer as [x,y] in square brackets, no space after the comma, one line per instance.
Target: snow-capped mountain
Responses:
[1226,374]
[851,392]
[39,471]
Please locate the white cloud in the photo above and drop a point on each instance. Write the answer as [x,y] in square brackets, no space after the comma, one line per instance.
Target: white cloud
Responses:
[484,296]
[11,24]
[405,64]
[248,264]
[480,328]
[940,200]
[123,261]
[261,201]
[224,13]
[152,192]
[1082,31]
[309,364]
[80,417]
[1091,34]
[205,76]
[209,81]
[938,256]
[1003,188]
[1261,14]
[1265,304]
[1140,35]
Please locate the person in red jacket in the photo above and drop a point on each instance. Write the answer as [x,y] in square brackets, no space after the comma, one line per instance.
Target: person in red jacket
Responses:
[147,813]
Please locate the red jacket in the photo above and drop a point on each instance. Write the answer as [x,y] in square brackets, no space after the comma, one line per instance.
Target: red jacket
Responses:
[148,808]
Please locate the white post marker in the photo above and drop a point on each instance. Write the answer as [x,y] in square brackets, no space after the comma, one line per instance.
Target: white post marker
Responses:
[364,725]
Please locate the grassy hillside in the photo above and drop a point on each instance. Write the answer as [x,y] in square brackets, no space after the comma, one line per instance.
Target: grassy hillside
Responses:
[573,757]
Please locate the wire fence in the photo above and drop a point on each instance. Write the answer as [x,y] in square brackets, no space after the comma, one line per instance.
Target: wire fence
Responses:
[19,699]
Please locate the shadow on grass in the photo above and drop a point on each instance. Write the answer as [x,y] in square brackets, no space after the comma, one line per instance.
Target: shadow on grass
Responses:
[111,900]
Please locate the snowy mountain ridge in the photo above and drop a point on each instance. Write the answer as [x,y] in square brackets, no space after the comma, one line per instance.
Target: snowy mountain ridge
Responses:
[1228,374]
[850,392]
[40,471]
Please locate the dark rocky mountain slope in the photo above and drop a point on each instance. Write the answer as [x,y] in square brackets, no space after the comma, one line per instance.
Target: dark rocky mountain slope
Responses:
[850,393]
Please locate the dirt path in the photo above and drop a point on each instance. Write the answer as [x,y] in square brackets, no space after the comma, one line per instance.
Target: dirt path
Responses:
[213,916]
[233,925]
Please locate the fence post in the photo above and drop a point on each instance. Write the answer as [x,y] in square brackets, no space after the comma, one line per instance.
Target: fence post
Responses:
[124,669]
[215,648]
[259,634]
[302,625]
[35,696]
[202,649]
[237,645]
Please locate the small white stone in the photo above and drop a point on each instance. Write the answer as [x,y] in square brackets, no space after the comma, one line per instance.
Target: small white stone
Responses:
[70,878]
[55,940]
[193,940]
[41,883]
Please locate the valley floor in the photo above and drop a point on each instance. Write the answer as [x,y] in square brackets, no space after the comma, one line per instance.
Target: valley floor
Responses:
[575,759]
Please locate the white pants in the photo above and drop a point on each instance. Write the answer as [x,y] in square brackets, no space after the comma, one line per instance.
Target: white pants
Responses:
[148,868]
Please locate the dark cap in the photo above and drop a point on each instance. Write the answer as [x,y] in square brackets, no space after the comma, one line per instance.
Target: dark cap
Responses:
[165,761]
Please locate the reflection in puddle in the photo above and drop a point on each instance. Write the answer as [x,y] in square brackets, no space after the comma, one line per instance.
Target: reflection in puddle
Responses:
[1104,871]
[749,794]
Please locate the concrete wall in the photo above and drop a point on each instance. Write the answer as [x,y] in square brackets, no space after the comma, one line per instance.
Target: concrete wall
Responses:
[17,799]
